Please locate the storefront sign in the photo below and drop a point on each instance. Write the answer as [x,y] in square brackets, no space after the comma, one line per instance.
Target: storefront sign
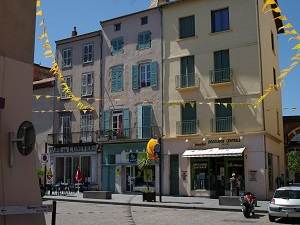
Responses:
[133,157]
[72,149]
[218,142]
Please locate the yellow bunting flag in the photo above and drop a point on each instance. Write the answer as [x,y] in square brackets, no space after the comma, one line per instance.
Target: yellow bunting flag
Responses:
[296,47]
[268,2]
[183,104]
[37,97]
[39,13]
[42,36]
[290,32]
[192,104]
[289,25]
[48,52]
[280,18]
[38,3]
[42,22]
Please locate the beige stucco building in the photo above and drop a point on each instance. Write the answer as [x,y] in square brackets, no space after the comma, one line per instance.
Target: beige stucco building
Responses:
[18,178]
[219,58]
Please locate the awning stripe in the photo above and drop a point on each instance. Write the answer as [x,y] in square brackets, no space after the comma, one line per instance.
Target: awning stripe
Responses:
[214,152]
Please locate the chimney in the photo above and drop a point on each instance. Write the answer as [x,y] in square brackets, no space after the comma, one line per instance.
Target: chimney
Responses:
[74,32]
[155,3]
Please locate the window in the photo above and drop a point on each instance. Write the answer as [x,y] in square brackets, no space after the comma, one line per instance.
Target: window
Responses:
[68,80]
[65,129]
[86,127]
[272,40]
[117,79]
[222,72]
[117,46]
[66,58]
[270,169]
[144,121]
[118,122]
[223,112]
[189,118]
[187,77]
[187,27]
[86,167]
[144,40]
[200,174]
[88,53]
[144,20]
[274,77]
[87,84]
[219,20]
[117,27]
[144,75]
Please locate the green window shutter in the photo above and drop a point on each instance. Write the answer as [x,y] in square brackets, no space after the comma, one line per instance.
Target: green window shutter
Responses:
[135,77]
[126,122]
[140,122]
[147,43]
[154,75]
[147,121]
[120,79]
[113,80]
[187,27]
[225,59]
[106,120]
[221,59]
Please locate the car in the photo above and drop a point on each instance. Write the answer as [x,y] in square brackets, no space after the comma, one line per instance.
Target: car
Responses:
[285,203]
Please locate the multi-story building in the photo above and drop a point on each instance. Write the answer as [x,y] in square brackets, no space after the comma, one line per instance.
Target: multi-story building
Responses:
[73,142]
[132,93]
[219,57]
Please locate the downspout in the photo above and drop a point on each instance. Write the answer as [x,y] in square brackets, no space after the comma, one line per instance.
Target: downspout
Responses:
[101,103]
[162,108]
[262,91]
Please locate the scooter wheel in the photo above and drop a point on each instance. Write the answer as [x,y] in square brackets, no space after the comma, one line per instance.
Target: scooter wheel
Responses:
[246,212]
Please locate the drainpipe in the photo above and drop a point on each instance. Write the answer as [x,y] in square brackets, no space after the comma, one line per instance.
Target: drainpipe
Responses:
[262,91]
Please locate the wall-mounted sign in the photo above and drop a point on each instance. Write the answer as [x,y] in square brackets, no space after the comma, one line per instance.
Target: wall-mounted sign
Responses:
[133,157]
[252,175]
[218,142]
[72,149]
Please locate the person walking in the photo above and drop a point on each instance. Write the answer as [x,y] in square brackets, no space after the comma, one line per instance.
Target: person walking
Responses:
[233,185]
[281,180]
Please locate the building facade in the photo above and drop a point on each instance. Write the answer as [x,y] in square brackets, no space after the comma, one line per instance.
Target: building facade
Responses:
[132,106]
[73,142]
[215,70]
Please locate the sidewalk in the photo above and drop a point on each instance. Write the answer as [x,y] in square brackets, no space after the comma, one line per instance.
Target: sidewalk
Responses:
[167,202]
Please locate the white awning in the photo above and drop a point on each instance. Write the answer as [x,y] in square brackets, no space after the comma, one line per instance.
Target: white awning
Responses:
[214,152]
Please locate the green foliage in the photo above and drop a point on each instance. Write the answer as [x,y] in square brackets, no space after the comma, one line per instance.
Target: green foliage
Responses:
[143,165]
[294,161]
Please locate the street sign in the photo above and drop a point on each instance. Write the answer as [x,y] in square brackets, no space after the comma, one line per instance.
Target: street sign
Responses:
[12,210]
[44,158]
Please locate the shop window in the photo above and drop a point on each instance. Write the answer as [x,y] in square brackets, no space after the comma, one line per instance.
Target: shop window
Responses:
[86,166]
[199,175]
[270,169]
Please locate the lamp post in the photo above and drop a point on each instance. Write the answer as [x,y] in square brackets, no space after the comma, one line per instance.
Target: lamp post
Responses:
[45,168]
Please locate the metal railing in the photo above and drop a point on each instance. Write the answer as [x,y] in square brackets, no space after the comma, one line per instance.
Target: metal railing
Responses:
[72,138]
[187,80]
[187,127]
[218,76]
[222,124]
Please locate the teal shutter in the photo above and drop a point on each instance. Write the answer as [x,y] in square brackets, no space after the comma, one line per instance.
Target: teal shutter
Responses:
[113,79]
[126,122]
[147,43]
[154,75]
[140,122]
[135,77]
[225,59]
[106,120]
[189,117]
[187,27]
[120,79]
[147,112]
[223,115]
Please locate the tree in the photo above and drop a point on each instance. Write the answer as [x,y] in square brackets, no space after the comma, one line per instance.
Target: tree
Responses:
[294,161]
[144,164]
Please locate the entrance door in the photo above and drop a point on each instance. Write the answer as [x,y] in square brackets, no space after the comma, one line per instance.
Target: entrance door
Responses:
[220,184]
[129,178]
[174,175]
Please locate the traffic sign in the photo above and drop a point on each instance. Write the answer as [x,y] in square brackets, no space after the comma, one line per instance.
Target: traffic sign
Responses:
[44,158]
[11,210]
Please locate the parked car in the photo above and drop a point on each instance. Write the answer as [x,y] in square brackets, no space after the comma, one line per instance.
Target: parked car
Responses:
[285,203]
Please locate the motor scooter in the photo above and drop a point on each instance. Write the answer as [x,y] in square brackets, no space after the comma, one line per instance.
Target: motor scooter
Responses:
[248,202]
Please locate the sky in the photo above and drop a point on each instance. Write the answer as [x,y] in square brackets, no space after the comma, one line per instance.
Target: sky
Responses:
[61,16]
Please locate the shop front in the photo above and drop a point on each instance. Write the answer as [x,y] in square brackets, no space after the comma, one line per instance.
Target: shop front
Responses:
[120,172]
[211,165]
[64,162]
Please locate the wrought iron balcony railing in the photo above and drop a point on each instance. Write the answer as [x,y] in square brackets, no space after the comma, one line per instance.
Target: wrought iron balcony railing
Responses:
[72,138]
[189,80]
[222,124]
[187,127]
[128,134]
[219,76]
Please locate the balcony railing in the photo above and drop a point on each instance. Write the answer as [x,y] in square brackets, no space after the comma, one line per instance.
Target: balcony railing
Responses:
[187,81]
[72,138]
[128,134]
[187,127]
[219,76]
[222,124]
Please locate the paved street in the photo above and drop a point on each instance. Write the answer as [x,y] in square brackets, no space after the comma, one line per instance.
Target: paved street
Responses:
[97,214]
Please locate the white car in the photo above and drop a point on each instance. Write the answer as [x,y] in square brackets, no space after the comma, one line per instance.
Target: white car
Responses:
[285,203]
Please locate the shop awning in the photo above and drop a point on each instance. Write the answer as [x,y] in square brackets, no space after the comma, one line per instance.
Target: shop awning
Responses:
[214,152]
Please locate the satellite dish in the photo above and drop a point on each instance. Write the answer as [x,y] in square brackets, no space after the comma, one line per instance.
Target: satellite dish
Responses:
[26,134]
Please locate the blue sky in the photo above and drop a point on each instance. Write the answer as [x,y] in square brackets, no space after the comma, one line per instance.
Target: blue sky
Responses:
[61,16]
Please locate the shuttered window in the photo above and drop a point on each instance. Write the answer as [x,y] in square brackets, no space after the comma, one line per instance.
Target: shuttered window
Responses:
[144,121]
[87,56]
[117,79]
[144,75]
[66,58]
[68,80]
[187,27]
[219,20]
[87,84]
[117,46]
[86,126]
[144,40]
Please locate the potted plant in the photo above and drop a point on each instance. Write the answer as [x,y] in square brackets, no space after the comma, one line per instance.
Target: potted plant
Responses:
[144,164]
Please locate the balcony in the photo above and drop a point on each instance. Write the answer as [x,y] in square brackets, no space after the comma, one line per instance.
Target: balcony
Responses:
[220,76]
[186,81]
[120,135]
[187,127]
[222,124]
[84,137]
